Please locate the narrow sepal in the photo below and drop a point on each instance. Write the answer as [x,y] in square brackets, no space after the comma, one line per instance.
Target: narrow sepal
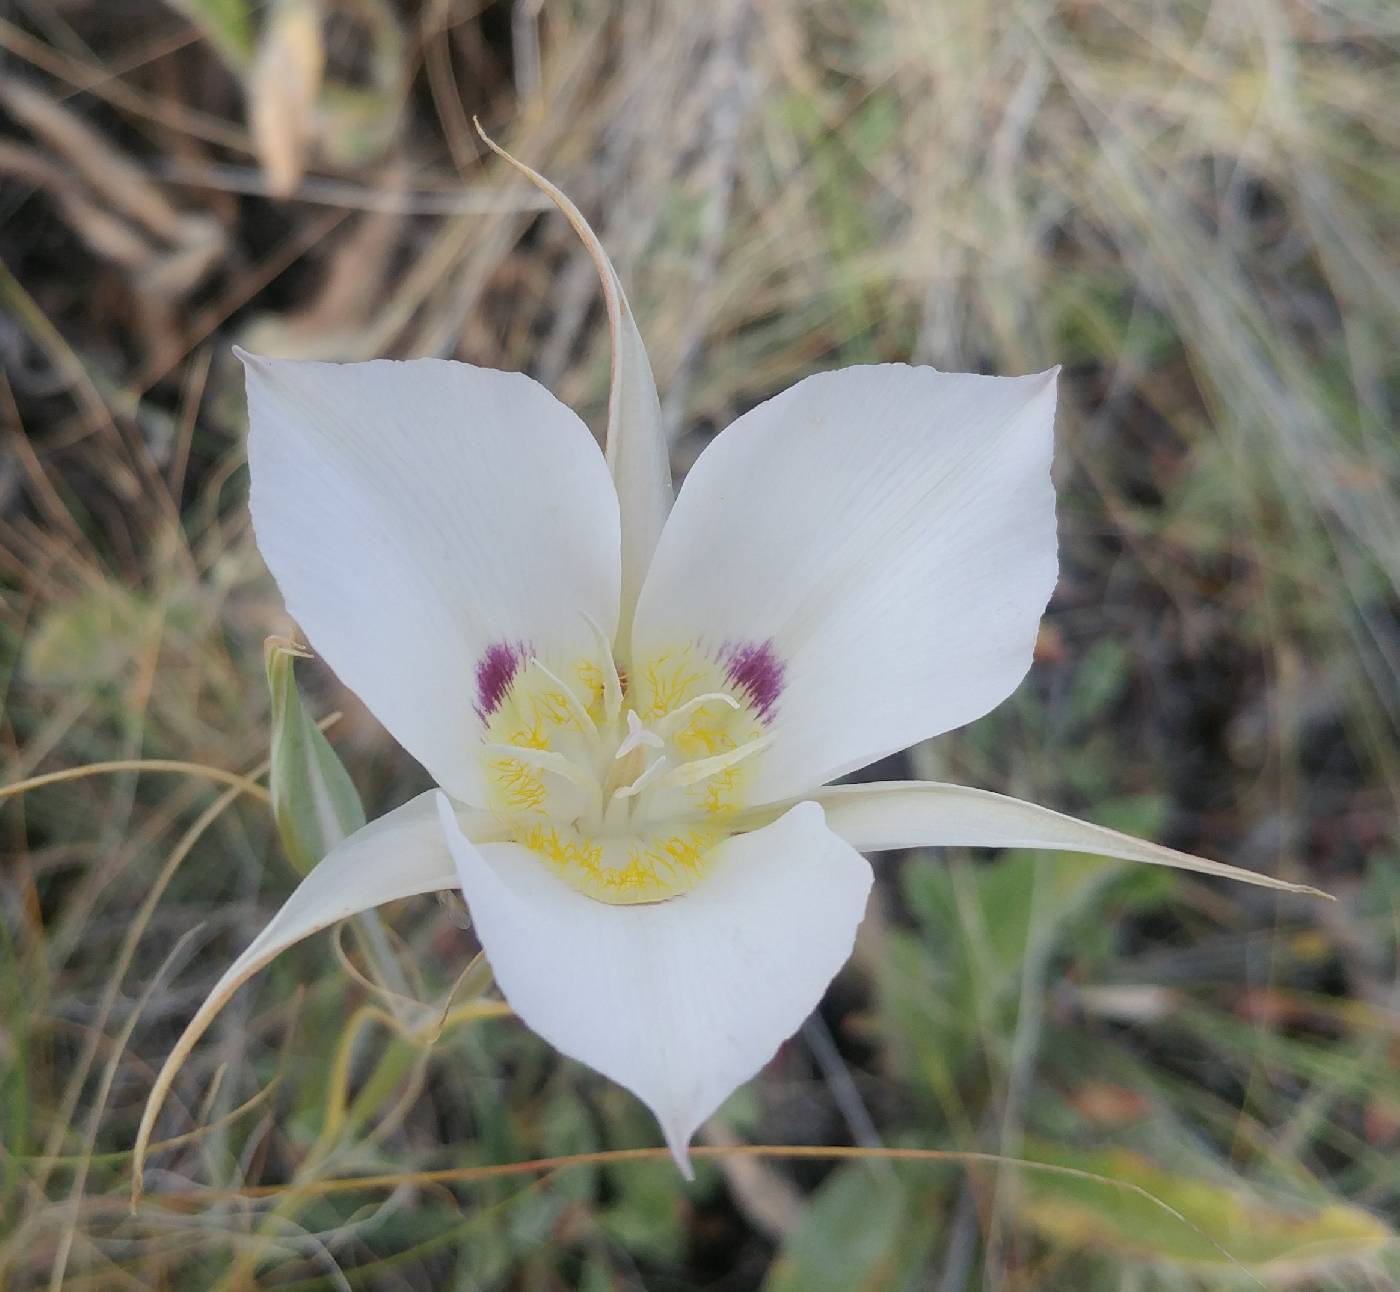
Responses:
[399,855]
[927,814]
[636,442]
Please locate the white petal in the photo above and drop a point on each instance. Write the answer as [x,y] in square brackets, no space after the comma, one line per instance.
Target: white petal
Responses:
[636,442]
[888,535]
[419,514]
[927,814]
[399,855]
[683,1000]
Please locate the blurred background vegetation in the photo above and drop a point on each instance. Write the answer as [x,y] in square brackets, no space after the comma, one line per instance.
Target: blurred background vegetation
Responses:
[1191,204]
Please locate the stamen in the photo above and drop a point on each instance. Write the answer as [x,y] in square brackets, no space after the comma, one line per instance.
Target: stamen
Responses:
[547,760]
[612,684]
[676,719]
[642,781]
[571,701]
[637,735]
[591,767]
[703,768]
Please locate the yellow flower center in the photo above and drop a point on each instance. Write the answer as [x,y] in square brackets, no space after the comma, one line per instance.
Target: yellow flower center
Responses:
[624,785]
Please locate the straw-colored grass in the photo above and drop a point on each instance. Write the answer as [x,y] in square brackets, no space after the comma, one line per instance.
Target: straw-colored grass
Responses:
[1191,206]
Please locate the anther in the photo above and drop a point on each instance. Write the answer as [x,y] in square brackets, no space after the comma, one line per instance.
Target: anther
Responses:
[676,719]
[703,768]
[571,701]
[642,781]
[612,683]
[546,760]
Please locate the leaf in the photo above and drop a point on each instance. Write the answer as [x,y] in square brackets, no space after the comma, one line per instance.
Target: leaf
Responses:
[1098,681]
[226,24]
[645,1215]
[1307,1239]
[1011,893]
[947,994]
[850,1238]
[88,640]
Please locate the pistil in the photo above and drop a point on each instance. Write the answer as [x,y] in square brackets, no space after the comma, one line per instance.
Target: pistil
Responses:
[637,736]
[636,803]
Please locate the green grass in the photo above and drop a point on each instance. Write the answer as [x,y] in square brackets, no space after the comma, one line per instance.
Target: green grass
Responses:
[1189,206]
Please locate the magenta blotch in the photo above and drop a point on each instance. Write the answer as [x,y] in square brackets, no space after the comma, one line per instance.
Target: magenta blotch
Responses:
[495,671]
[754,667]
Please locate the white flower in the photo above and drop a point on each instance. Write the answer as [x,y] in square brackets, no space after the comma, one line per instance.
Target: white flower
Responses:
[632,707]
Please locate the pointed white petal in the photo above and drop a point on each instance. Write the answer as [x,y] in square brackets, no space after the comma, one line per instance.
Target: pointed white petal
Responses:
[683,1000]
[419,516]
[926,814]
[399,855]
[636,443]
[883,538]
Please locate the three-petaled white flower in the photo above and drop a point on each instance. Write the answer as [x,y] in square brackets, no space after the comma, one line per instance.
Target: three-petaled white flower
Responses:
[631,707]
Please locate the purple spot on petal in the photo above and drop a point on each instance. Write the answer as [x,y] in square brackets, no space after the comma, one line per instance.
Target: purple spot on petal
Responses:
[756,670]
[495,671]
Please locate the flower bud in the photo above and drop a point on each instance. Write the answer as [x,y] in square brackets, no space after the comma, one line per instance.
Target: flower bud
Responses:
[313,799]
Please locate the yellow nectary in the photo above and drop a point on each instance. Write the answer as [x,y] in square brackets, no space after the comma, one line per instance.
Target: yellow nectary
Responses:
[624,785]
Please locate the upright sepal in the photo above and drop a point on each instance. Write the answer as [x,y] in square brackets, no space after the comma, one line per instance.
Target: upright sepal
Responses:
[636,444]
[313,799]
